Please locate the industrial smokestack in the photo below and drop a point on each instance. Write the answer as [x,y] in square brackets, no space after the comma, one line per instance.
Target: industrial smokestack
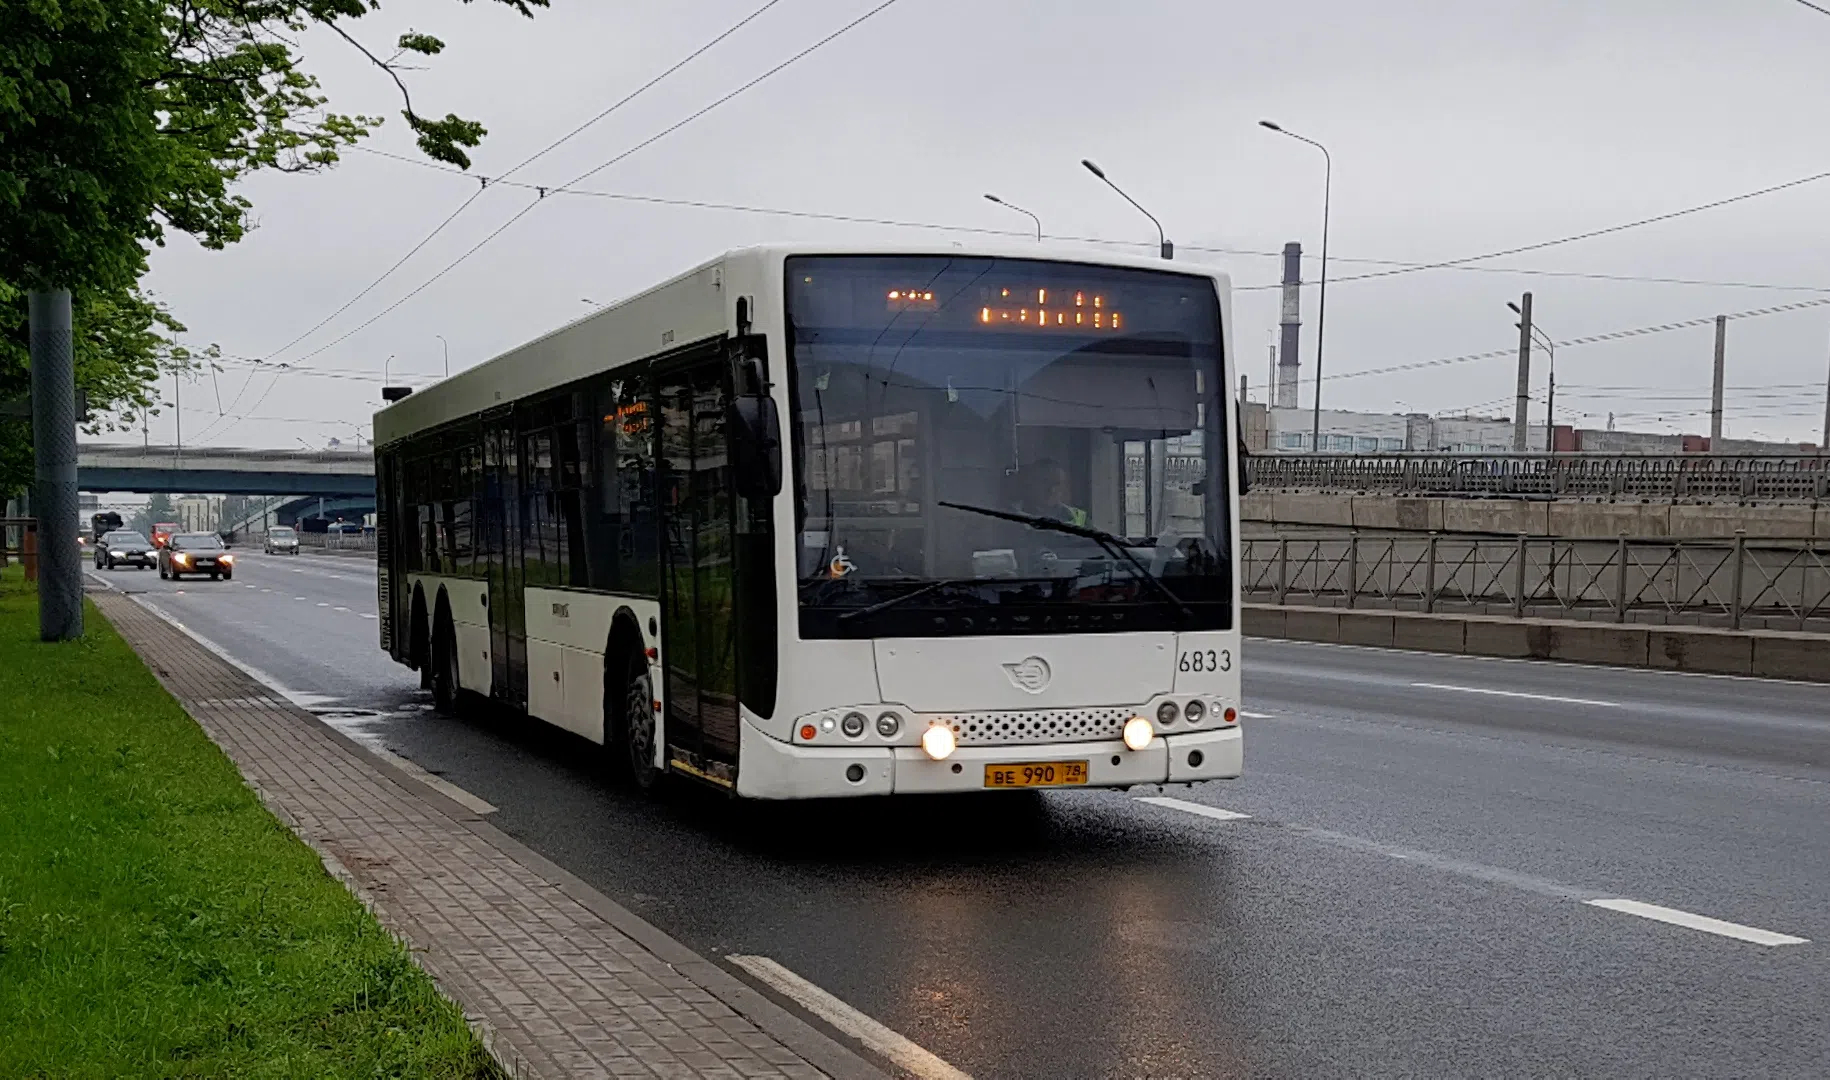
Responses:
[1288,355]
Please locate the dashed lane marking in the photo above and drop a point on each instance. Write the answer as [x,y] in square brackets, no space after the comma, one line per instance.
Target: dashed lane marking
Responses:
[1698,922]
[1255,715]
[366,615]
[324,603]
[1497,875]
[1518,694]
[1194,808]
[897,1049]
[342,609]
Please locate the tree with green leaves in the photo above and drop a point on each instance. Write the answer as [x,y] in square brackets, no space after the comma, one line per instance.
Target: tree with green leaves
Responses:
[124,120]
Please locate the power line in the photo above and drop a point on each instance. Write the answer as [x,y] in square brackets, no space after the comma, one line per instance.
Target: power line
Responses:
[524,162]
[1814,7]
[1591,339]
[938,226]
[484,186]
[599,168]
[645,143]
[1591,234]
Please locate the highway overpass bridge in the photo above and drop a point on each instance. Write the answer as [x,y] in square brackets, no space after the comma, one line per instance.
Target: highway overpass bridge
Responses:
[225,471]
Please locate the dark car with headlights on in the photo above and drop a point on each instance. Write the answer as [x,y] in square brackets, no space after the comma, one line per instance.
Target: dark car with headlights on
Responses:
[123,547]
[198,554]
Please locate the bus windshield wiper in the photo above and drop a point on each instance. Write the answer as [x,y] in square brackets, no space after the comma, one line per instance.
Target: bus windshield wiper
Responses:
[1112,543]
[930,587]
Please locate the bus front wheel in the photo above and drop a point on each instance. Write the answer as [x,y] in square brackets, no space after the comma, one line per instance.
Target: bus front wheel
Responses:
[636,730]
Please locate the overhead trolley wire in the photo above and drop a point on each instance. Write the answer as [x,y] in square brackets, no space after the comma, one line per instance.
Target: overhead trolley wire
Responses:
[1590,235]
[878,9]
[484,186]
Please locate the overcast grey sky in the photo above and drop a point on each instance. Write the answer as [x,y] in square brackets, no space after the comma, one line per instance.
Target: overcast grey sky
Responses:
[1456,126]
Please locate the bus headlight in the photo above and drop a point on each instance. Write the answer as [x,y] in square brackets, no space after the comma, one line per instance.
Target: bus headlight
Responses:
[1138,733]
[888,724]
[1166,713]
[1195,711]
[852,724]
[938,742]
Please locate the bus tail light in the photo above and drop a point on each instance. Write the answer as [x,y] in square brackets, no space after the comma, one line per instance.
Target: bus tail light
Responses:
[1231,715]
[808,731]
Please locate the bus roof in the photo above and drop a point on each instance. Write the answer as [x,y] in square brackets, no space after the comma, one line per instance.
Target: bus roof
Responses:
[687,308]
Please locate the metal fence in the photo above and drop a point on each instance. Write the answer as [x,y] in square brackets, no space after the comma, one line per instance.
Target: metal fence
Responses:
[1740,583]
[1701,477]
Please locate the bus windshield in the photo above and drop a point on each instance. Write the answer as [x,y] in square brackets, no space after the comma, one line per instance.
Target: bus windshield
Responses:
[951,412]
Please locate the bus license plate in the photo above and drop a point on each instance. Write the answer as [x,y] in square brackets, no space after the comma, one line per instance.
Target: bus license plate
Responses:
[1036,774]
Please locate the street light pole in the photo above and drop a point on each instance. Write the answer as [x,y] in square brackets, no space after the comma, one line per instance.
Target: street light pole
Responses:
[447,345]
[1321,315]
[1020,210]
[1166,249]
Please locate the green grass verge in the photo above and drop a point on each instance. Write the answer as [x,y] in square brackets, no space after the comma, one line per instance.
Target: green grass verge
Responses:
[155,920]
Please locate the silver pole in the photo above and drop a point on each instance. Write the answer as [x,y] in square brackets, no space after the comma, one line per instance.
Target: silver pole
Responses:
[60,566]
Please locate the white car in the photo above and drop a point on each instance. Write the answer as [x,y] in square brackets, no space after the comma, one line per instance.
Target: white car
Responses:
[282,541]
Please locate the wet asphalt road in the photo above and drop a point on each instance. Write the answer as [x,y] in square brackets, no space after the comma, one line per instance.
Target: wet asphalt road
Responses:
[1405,898]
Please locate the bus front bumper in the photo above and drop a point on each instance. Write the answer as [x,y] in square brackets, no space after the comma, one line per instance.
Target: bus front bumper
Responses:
[772,769]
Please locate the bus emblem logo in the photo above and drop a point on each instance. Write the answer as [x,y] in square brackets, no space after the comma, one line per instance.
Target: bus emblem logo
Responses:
[1031,674]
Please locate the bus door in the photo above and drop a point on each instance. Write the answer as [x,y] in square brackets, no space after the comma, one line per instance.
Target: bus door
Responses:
[501,514]
[698,628]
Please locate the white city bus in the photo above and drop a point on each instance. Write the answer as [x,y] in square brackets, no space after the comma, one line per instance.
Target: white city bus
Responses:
[812,522]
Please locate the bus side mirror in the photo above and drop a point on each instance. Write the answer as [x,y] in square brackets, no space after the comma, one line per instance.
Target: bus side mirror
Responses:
[756,445]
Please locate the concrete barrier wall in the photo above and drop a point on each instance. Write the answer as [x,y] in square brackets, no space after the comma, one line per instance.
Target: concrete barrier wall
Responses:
[1766,653]
[1564,517]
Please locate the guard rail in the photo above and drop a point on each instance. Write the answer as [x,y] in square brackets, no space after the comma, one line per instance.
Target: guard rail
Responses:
[1745,478]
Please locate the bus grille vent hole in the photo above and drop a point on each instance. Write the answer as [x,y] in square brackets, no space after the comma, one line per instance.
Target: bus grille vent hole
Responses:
[1039,726]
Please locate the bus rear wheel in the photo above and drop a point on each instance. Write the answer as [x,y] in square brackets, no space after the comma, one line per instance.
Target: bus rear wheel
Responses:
[445,687]
[636,729]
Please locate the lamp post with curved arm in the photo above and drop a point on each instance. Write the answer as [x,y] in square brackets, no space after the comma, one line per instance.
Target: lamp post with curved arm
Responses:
[1321,318]
[1167,249]
[1020,210]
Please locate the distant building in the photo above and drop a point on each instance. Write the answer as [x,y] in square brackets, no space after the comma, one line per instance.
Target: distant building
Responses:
[198,513]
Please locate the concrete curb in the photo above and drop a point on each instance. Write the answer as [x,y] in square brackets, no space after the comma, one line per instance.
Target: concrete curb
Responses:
[1770,654]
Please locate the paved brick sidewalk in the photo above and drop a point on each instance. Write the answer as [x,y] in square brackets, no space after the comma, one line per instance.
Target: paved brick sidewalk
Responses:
[561,981]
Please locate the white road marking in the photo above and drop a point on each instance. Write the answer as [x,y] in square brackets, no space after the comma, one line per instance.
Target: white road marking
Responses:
[898,1050]
[266,590]
[1255,715]
[1517,694]
[342,609]
[366,615]
[324,603]
[298,598]
[250,586]
[1698,922]
[297,571]
[1194,808]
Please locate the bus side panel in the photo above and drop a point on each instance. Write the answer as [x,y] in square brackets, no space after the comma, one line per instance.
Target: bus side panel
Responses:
[567,631]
